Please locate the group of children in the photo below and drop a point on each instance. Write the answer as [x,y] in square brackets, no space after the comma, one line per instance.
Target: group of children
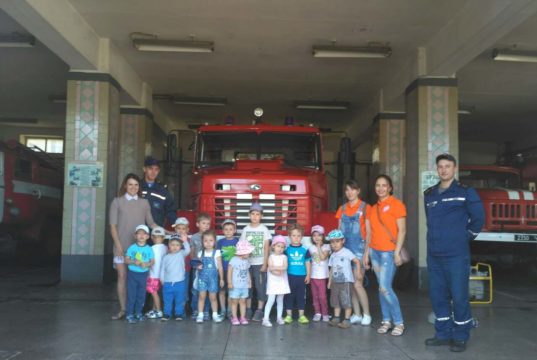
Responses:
[232,269]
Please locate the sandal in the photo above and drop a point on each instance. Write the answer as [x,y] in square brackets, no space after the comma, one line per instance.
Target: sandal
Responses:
[398,330]
[384,327]
[119,316]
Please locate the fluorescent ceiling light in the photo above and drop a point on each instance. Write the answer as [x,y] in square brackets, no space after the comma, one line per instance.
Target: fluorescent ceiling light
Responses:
[16,40]
[465,109]
[173,45]
[514,55]
[18,120]
[200,101]
[351,51]
[322,105]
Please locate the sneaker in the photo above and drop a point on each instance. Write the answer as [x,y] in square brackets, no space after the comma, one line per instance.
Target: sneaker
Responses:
[179,318]
[437,342]
[303,320]
[280,321]
[217,318]
[355,319]
[206,316]
[249,313]
[244,321]
[326,318]
[457,346]
[235,321]
[141,318]
[345,324]
[194,314]
[317,317]
[159,314]
[366,320]
[131,319]
[199,318]
[258,315]
[223,314]
[165,318]
[267,323]
[288,319]
[333,322]
[151,314]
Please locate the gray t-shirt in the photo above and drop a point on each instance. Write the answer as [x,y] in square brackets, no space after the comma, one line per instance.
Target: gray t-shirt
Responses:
[341,264]
[195,241]
[172,268]
[240,272]
[127,215]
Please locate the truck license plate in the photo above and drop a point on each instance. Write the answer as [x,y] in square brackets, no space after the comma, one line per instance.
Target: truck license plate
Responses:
[526,237]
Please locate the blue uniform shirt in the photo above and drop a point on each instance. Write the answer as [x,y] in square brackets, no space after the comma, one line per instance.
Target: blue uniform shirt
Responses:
[454,217]
[161,201]
[297,257]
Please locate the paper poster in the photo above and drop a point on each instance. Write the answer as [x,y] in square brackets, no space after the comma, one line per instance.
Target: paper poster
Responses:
[85,175]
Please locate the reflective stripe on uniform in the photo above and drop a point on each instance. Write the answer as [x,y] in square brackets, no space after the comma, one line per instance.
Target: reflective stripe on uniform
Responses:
[443,319]
[454,199]
[463,322]
[158,196]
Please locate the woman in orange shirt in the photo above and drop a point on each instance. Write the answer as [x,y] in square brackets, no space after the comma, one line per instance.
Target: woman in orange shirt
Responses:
[351,217]
[386,225]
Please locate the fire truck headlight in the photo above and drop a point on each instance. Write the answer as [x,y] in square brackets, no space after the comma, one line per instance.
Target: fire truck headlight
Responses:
[9,201]
[15,211]
[288,187]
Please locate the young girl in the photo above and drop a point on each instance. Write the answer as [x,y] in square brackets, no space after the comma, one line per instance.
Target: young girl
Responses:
[277,283]
[239,281]
[319,273]
[210,276]
[351,217]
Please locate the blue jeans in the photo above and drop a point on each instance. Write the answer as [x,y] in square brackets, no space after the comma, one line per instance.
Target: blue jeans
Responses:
[136,292]
[384,267]
[174,293]
[449,293]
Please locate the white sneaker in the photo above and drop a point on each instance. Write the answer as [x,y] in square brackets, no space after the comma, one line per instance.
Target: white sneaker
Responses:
[217,317]
[355,319]
[366,320]
[326,318]
[267,323]
[159,314]
[317,317]
[280,321]
[199,319]
[152,314]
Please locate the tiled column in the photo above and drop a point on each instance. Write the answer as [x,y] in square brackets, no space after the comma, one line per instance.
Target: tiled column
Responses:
[389,148]
[90,153]
[431,129]
[136,128]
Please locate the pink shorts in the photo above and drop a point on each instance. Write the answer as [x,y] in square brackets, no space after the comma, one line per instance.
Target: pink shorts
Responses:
[152,285]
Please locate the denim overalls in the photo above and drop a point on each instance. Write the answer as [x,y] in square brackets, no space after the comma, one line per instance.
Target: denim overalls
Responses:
[350,226]
[208,275]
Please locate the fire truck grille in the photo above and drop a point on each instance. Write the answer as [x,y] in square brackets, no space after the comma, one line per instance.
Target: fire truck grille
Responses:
[277,213]
[531,212]
[506,211]
[513,216]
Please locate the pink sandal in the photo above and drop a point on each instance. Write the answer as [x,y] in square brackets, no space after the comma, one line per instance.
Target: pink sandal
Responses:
[243,321]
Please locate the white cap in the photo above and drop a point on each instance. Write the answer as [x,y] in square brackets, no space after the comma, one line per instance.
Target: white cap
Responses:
[158,231]
[181,221]
[142,227]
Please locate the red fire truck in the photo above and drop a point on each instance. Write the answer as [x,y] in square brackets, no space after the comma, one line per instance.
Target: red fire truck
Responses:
[510,211]
[31,185]
[280,167]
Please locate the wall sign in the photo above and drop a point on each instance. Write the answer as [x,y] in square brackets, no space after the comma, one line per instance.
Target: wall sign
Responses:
[85,175]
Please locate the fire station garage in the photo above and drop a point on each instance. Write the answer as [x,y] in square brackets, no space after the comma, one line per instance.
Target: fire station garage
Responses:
[219,107]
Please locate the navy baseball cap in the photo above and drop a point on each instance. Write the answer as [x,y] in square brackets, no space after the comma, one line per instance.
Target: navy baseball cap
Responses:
[151,161]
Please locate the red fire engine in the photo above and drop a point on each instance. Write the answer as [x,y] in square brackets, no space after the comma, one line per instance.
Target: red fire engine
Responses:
[31,185]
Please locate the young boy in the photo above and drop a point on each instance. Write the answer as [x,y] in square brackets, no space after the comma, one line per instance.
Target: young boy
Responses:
[182,227]
[298,272]
[153,281]
[203,222]
[341,278]
[139,258]
[226,245]
[259,236]
[173,277]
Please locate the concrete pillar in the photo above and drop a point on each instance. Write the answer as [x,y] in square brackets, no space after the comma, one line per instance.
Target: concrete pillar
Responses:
[135,139]
[431,129]
[91,173]
[389,148]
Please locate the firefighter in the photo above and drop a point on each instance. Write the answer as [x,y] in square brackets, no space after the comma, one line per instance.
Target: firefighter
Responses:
[160,199]
[454,217]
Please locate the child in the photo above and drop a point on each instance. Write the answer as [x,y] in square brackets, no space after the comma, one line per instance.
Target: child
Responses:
[210,275]
[259,236]
[173,277]
[319,273]
[277,282]
[226,246]
[203,222]
[153,281]
[181,227]
[139,258]
[298,271]
[341,278]
[239,281]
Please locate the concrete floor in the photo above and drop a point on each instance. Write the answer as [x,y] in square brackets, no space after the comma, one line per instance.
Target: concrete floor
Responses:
[42,319]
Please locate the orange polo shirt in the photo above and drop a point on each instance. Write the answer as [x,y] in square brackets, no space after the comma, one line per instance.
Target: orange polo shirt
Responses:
[390,210]
[351,210]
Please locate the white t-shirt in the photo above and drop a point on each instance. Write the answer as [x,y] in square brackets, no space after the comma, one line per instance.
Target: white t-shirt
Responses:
[159,250]
[256,236]
[210,254]
[319,268]
[341,263]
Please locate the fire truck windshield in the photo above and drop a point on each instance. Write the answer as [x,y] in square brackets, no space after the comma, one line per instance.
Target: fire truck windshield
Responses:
[486,179]
[223,148]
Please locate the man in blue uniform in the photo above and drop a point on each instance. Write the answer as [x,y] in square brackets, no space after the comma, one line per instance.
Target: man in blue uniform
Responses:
[160,199]
[454,217]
